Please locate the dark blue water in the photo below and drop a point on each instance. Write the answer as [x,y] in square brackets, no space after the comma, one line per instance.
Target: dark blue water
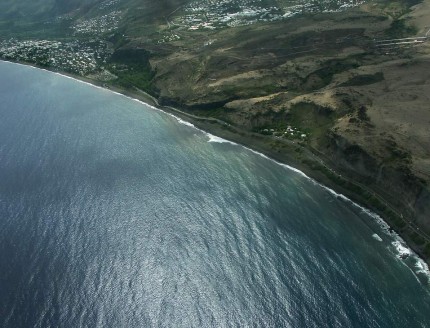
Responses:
[113,214]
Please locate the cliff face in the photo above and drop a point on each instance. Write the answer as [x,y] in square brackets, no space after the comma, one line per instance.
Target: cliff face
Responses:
[395,182]
[403,198]
[387,145]
[422,207]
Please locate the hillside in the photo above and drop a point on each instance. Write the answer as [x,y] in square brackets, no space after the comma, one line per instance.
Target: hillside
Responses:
[337,88]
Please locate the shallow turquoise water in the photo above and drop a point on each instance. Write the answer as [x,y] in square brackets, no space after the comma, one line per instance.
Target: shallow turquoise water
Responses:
[113,214]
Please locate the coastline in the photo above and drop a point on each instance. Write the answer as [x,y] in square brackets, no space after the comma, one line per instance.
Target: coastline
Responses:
[220,131]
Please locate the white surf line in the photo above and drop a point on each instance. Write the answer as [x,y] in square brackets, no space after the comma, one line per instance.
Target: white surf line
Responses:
[423,267]
[398,243]
[180,120]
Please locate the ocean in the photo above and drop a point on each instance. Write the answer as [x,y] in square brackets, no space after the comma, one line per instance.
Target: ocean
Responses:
[115,214]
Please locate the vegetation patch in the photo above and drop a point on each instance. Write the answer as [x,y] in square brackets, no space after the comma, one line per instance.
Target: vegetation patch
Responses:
[417,238]
[399,156]
[362,114]
[325,74]
[314,120]
[400,29]
[364,79]
[133,69]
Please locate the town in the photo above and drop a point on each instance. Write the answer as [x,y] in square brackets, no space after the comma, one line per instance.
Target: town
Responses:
[212,15]
[76,57]
[98,25]
[226,13]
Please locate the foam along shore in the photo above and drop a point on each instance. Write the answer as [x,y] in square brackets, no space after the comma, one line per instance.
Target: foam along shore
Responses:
[396,243]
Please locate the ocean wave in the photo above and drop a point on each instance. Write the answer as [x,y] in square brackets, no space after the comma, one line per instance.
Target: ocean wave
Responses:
[181,121]
[402,250]
[422,267]
[376,237]
[216,139]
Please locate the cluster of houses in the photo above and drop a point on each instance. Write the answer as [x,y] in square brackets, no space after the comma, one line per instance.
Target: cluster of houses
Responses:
[321,6]
[98,25]
[289,133]
[76,57]
[168,38]
[210,14]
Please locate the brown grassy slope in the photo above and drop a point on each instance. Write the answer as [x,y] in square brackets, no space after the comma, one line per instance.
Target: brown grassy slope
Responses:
[365,111]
